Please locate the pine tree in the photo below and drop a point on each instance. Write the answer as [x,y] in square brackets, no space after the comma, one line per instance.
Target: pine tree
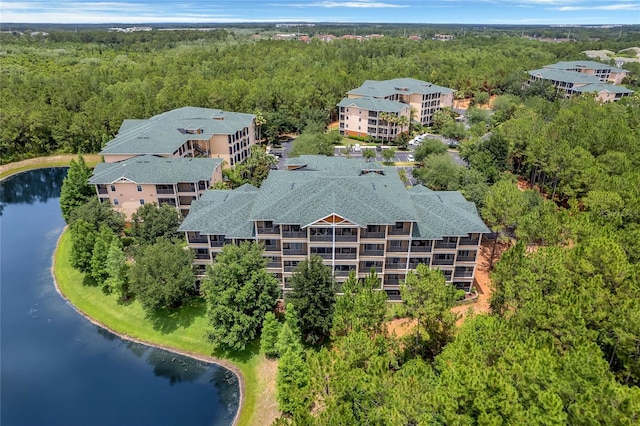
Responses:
[289,337]
[99,257]
[270,330]
[75,188]
[83,239]
[116,266]
[313,297]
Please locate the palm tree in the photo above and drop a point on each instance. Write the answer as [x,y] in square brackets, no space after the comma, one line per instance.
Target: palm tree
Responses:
[260,121]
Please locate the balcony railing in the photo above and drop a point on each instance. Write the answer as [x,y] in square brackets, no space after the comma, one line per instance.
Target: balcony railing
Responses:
[341,273]
[466,258]
[294,234]
[346,238]
[186,187]
[203,256]
[379,235]
[294,252]
[220,243]
[169,201]
[469,241]
[275,230]
[392,281]
[394,231]
[445,245]
[414,264]
[372,253]
[321,237]
[421,249]
[395,266]
[365,270]
[463,274]
[103,191]
[272,248]
[274,265]
[442,262]
[397,249]
[346,256]
[200,239]
[165,191]
[323,255]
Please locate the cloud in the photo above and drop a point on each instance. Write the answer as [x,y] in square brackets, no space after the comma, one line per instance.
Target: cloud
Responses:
[356,4]
[618,6]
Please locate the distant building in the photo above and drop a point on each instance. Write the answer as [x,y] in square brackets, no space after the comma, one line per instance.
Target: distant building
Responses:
[604,72]
[414,37]
[574,82]
[443,37]
[185,132]
[178,182]
[357,216]
[400,95]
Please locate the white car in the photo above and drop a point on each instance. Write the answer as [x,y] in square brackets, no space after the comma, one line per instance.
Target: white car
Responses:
[410,158]
[356,148]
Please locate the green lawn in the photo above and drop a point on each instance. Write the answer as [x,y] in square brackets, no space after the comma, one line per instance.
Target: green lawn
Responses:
[184,329]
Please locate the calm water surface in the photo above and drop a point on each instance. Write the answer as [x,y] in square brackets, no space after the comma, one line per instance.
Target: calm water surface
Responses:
[59,369]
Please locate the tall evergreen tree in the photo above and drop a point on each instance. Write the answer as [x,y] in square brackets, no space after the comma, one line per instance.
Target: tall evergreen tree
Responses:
[75,188]
[117,280]
[239,292]
[83,239]
[313,297]
[99,270]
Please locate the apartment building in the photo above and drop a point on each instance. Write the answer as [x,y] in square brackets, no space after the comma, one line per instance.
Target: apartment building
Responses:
[186,132]
[573,82]
[178,182]
[423,98]
[357,216]
[602,71]
[373,117]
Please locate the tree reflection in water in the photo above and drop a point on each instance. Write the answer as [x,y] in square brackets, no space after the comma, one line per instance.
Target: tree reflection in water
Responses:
[36,186]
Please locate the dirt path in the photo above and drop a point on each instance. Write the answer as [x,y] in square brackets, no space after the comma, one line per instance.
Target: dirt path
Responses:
[266,409]
[9,169]
[482,284]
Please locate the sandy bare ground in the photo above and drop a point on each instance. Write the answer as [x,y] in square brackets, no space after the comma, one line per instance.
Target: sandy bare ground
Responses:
[266,410]
[482,284]
[50,161]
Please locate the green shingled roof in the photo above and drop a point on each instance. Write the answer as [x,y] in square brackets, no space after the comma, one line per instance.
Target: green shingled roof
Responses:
[565,76]
[165,133]
[333,185]
[602,87]
[373,104]
[149,169]
[571,65]
[381,89]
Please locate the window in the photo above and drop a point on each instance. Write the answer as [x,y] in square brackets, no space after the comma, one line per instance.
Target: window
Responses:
[113,188]
[115,202]
[141,201]
[139,187]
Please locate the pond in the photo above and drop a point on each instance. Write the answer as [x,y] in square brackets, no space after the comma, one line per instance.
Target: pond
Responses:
[59,369]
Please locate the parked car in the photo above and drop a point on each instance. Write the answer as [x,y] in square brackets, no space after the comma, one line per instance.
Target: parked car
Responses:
[410,158]
[378,148]
[356,148]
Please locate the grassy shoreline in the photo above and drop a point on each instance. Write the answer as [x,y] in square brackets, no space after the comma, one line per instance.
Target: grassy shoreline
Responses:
[13,168]
[181,332]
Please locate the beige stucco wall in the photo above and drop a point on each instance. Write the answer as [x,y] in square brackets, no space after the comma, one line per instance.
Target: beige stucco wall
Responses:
[110,158]
[129,197]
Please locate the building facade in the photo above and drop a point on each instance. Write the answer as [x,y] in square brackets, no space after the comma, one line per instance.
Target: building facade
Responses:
[357,216]
[604,72]
[573,82]
[422,98]
[373,117]
[186,132]
[178,182]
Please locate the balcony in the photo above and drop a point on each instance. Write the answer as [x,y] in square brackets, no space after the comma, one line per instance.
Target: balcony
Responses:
[469,241]
[342,273]
[372,253]
[395,266]
[421,246]
[322,237]
[438,262]
[467,258]
[413,263]
[346,238]
[203,254]
[294,252]
[186,187]
[397,249]
[196,238]
[186,200]
[168,201]
[294,234]
[270,231]
[102,190]
[372,235]
[346,256]
[272,248]
[322,255]
[392,281]
[365,267]
[164,190]
[274,265]
[445,245]
[219,242]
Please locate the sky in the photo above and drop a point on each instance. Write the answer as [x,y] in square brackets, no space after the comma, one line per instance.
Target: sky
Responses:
[516,12]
